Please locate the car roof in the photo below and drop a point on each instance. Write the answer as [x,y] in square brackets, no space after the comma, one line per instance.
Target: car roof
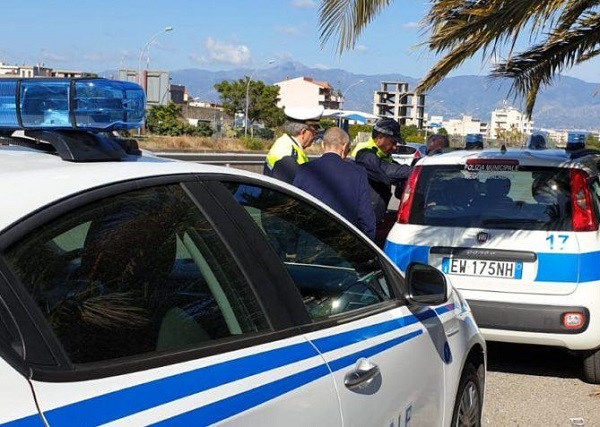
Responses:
[525,157]
[32,179]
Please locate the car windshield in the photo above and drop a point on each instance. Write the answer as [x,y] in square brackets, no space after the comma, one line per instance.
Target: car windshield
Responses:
[527,198]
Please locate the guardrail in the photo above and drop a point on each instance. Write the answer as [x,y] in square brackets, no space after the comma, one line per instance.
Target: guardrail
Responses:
[247,161]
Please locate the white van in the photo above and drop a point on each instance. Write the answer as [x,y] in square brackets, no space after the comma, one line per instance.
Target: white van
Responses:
[517,233]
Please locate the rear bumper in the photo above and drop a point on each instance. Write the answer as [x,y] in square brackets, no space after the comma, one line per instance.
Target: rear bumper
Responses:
[546,319]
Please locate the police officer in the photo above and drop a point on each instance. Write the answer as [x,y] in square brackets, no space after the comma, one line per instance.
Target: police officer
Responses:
[375,156]
[287,153]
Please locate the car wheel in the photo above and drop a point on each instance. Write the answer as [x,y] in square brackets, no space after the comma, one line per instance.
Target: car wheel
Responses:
[591,367]
[468,405]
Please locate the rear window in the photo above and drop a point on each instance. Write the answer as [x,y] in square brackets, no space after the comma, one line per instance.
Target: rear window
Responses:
[527,198]
[405,149]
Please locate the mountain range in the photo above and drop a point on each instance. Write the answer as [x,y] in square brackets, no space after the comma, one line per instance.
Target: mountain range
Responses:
[569,103]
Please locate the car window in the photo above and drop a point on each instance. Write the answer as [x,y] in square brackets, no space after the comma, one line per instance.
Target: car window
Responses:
[334,270]
[405,149]
[135,273]
[527,198]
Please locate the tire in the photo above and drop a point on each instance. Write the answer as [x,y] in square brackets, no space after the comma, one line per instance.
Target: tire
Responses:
[591,366]
[469,404]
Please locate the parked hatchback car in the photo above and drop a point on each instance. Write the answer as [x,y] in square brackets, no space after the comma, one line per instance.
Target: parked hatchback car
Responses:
[409,153]
[517,232]
[139,290]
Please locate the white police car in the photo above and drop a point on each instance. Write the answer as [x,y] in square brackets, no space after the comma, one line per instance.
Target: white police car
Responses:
[136,290]
[517,232]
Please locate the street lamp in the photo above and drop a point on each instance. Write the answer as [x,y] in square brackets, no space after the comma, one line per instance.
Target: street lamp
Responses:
[146,46]
[356,83]
[271,61]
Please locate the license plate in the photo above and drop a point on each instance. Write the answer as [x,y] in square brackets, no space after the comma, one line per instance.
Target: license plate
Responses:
[475,267]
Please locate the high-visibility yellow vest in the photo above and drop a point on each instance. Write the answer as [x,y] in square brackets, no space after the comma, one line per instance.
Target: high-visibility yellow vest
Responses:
[369,145]
[285,146]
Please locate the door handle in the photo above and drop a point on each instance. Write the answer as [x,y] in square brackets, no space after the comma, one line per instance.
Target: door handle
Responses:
[364,371]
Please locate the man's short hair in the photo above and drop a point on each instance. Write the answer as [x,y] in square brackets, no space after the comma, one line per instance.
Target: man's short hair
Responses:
[335,137]
[294,128]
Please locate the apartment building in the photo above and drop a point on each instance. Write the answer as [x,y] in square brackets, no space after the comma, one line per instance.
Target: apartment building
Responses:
[507,119]
[395,100]
[28,71]
[307,92]
[465,125]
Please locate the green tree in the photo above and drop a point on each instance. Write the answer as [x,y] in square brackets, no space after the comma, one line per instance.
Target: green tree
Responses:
[591,141]
[409,132]
[559,34]
[262,106]
[168,120]
[442,131]
[512,137]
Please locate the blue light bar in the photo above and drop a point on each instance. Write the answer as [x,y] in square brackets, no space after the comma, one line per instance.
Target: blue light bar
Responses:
[80,103]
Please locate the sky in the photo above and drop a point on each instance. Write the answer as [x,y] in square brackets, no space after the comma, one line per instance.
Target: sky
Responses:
[96,36]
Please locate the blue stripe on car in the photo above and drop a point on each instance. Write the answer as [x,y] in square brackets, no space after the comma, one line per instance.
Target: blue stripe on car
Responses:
[30,421]
[121,403]
[223,409]
[552,267]
[226,408]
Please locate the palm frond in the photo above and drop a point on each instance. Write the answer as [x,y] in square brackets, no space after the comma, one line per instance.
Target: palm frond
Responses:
[347,19]
[537,66]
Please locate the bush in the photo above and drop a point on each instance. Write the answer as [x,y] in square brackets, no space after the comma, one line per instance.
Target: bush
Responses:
[254,143]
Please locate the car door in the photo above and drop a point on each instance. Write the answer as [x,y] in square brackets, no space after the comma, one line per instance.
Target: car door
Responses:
[387,358]
[18,403]
[152,310]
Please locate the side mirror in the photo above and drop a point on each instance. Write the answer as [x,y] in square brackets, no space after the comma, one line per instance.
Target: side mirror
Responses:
[426,284]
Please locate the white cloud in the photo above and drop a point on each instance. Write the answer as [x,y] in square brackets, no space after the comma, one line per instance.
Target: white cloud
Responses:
[222,52]
[289,31]
[303,4]
[321,67]
[361,48]
[412,25]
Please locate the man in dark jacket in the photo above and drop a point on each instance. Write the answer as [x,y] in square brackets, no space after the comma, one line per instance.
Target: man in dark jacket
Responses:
[375,156]
[340,184]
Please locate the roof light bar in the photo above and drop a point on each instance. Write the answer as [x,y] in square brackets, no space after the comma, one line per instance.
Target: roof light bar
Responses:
[92,104]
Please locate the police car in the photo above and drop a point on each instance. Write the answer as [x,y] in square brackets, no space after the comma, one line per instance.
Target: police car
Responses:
[137,290]
[517,233]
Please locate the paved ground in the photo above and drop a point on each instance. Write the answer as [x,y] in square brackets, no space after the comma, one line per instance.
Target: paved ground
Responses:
[537,386]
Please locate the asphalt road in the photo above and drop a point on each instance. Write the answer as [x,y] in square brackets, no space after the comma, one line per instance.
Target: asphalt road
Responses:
[537,386]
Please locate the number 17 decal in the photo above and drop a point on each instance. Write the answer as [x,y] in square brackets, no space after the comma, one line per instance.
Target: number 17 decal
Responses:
[557,239]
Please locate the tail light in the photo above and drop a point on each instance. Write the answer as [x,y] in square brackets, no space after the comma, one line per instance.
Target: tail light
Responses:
[584,218]
[408,195]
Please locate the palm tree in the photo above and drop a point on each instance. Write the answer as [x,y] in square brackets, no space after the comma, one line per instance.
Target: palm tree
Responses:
[561,34]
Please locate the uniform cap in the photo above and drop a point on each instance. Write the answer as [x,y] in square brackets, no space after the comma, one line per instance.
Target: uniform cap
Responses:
[306,115]
[389,127]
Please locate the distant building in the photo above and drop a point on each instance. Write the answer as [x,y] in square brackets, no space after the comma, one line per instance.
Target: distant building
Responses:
[464,126]
[507,119]
[178,94]
[29,71]
[395,101]
[307,92]
[156,83]
[71,73]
